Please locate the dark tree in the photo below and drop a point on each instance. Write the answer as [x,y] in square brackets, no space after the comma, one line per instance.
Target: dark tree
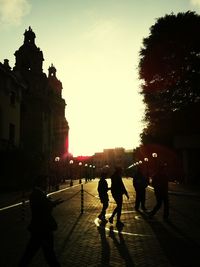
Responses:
[170,69]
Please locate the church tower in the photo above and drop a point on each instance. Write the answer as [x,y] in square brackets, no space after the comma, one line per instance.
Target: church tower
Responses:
[54,82]
[44,128]
[58,108]
[29,57]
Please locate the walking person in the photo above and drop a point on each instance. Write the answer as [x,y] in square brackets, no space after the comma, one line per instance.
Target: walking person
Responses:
[118,190]
[103,195]
[42,225]
[160,185]
[140,183]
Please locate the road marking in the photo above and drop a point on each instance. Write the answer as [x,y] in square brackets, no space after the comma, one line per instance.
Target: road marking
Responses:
[61,190]
[97,223]
[27,201]
[14,205]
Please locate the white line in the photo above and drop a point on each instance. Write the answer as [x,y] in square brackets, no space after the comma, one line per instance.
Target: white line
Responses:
[61,190]
[14,205]
[96,221]
[27,201]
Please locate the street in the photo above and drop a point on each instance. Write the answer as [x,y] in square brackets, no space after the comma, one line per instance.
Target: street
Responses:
[81,241]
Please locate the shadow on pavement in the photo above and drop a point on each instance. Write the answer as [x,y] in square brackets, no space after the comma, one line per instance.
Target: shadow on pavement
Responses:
[105,247]
[122,248]
[180,250]
[69,234]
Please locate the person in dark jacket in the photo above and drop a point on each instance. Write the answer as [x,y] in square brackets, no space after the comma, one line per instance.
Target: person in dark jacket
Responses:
[160,185]
[140,183]
[42,225]
[118,190]
[103,195]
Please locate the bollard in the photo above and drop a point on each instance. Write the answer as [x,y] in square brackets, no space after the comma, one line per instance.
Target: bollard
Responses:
[82,204]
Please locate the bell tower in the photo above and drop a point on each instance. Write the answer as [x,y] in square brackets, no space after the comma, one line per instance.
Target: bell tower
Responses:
[54,83]
[29,36]
[29,58]
[52,71]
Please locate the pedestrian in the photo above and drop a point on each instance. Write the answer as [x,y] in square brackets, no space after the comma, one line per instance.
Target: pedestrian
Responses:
[42,225]
[103,195]
[160,185]
[118,190]
[140,183]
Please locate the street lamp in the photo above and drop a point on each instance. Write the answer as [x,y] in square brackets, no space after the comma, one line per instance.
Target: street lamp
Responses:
[86,175]
[146,164]
[80,171]
[155,155]
[93,171]
[71,163]
[57,159]
[90,172]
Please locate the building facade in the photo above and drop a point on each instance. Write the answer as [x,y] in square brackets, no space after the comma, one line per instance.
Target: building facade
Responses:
[10,99]
[112,157]
[41,129]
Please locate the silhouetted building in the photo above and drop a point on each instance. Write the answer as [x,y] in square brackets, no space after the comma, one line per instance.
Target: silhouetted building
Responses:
[40,129]
[10,100]
[112,157]
[11,87]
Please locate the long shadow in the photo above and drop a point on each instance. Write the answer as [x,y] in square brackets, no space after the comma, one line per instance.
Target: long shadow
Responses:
[105,247]
[180,249]
[122,248]
[69,234]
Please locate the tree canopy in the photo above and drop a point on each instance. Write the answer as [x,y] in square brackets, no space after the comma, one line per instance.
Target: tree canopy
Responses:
[170,68]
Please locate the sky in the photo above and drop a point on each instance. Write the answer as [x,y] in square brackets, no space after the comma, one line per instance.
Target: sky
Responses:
[94,45]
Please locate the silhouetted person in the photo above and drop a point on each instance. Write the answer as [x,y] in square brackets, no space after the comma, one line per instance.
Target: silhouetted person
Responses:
[160,185]
[140,183]
[117,190]
[103,195]
[42,225]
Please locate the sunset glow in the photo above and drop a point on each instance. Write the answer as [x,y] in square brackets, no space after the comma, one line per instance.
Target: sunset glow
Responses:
[94,46]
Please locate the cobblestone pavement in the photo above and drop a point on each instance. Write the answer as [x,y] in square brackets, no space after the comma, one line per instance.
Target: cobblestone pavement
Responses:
[82,241]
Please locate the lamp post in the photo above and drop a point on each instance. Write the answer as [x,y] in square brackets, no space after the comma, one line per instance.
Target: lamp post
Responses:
[146,165]
[71,164]
[86,174]
[93,171]
[57,159]
[80,172]
[155,155]
[90,172]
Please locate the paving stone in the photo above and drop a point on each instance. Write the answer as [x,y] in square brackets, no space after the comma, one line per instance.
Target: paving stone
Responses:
[81,241]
